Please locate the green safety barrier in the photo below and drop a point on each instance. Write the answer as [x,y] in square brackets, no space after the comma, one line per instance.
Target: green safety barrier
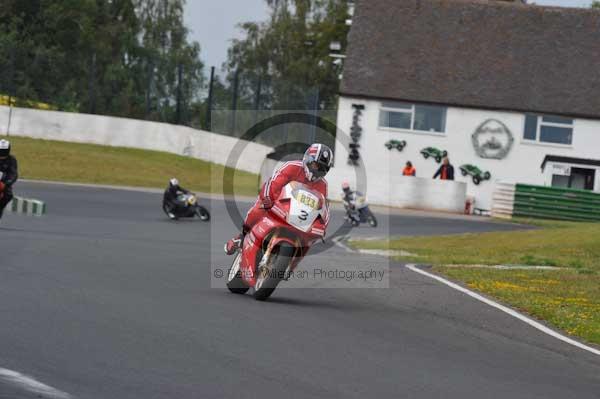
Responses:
[556,203]
[27,206]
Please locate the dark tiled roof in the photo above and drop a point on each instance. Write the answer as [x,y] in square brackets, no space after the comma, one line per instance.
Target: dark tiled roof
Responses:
[476,53]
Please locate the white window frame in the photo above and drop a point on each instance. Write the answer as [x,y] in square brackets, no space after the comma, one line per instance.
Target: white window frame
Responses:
[412,112]
[538,130]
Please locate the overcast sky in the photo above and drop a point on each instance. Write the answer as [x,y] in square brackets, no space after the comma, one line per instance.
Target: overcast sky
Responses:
[213,22]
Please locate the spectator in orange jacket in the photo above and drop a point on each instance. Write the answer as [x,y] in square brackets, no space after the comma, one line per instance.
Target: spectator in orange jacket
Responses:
[409,170]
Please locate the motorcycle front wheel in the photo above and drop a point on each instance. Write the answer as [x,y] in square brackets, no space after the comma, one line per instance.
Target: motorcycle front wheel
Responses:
[269,278]
[202,213]
[234,280]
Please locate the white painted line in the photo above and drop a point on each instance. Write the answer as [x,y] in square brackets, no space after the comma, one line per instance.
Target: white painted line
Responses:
[507,310]
[30,384]
[338,241]
[214,196]
[386,252]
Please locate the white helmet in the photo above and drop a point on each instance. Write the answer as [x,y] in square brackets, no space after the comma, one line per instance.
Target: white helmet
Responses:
[173,182]
[4,148]
[317,161]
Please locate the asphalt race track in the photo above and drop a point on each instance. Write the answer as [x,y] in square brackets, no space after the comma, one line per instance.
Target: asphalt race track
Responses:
[106,298]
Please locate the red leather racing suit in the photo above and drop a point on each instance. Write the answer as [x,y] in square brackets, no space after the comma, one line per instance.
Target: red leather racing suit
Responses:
[289,171]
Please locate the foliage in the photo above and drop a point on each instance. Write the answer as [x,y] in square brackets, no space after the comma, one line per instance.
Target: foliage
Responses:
[289,55]
[115,57]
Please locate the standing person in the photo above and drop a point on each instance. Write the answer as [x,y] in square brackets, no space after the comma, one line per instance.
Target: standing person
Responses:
[409,170]
[446,171]
[9,174]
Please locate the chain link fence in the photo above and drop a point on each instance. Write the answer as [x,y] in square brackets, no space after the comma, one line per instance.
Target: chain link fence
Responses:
[251,99]
[227,103]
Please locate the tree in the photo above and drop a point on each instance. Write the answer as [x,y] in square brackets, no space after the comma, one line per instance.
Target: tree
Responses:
[167,52]
[128,58]
[289,54]
[595,4]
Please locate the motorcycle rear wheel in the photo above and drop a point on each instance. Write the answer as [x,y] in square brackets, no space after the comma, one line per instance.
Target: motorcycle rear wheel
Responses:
[267,281]
[372,220]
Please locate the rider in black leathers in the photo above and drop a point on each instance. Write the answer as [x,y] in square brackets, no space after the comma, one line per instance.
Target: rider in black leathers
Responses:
[170,198]
[9,173]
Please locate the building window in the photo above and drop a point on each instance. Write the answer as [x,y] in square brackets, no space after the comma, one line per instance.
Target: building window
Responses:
[420,118]
[576,178]
[548,129]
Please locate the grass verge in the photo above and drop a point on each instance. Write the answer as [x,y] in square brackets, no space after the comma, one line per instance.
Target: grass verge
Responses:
[568,298]
[96,164]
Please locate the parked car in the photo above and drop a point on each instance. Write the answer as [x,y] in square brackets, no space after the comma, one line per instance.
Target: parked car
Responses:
[397,144]
[434,153]
[477,174]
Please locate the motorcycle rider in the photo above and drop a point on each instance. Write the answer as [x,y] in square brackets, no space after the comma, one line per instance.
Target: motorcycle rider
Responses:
[171,200]
[310,171]
[9,173]
[347,195]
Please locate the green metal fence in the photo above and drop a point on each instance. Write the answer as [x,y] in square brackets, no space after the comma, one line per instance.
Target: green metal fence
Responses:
[556,203]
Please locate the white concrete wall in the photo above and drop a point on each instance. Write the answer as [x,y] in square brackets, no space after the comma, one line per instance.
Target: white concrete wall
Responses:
[122,132]
[522,164]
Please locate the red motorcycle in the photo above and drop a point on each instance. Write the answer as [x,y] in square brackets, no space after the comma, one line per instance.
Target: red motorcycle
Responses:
[276,245]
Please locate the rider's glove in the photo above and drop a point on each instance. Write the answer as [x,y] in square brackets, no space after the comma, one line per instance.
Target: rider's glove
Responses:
[266,203]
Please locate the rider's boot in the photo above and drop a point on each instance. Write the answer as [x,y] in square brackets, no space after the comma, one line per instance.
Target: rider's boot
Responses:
[234,244]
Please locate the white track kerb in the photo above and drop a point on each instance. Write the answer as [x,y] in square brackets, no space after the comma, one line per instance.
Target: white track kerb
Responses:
[507,310]
[29,384]
[27,206]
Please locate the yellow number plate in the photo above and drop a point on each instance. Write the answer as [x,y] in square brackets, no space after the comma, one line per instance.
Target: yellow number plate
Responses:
[308,201]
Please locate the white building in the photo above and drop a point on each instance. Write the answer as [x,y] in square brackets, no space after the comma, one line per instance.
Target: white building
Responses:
[511,89]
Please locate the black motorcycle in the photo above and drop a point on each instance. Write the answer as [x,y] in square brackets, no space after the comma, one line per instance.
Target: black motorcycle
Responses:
[357,211]
[188,208]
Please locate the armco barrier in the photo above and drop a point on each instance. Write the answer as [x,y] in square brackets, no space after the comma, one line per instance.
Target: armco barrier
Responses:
[545,202]
[27,206]
[556,203]
[132,133]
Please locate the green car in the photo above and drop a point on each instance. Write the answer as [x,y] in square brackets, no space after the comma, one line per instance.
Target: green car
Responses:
[478,174]
[399,145]
[434,153]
